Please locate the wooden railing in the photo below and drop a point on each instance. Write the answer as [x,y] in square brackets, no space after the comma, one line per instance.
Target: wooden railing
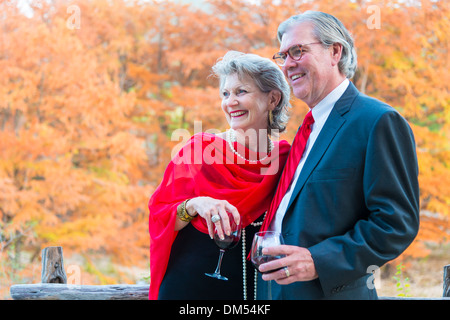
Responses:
[54,285]
[58,291]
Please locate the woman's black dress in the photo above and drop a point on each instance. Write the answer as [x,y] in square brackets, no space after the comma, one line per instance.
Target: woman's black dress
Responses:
[194,254]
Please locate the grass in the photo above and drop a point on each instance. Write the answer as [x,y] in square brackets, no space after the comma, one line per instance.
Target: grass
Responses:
[423,277]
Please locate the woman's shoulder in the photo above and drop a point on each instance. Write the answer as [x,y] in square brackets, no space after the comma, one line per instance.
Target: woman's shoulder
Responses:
[206,138]
[283,147]
[221,135]
[203,139]
[282,144]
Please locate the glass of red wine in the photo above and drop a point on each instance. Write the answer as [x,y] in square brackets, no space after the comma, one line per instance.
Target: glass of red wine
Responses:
[263,240]
[227,243]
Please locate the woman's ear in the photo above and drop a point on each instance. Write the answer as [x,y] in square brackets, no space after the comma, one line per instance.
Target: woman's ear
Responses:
[274,99]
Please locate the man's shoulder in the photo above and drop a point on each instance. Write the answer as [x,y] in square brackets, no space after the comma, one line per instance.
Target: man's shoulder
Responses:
[371,107]
[373,103]
[371,112]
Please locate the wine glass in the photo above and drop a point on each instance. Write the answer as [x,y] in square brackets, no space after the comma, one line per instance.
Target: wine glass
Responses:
[263,240]
[227,243]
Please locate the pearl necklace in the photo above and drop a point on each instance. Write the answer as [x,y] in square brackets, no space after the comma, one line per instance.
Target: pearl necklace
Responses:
[231,138]
[244,263]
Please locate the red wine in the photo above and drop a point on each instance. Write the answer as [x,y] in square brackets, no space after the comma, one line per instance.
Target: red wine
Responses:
[228,242]
[259,260]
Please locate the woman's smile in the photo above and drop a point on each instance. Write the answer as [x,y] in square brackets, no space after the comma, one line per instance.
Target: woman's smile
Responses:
[238,114]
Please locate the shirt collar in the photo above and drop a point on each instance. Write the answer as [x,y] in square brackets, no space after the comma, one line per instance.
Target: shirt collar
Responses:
[323,108]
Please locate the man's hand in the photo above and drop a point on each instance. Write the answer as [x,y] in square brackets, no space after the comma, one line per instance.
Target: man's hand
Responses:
[297,260]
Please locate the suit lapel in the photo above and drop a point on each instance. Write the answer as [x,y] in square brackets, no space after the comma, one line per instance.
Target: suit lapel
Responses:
[334,122]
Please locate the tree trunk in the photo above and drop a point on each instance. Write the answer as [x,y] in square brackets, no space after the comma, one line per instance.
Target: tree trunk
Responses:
[53,266]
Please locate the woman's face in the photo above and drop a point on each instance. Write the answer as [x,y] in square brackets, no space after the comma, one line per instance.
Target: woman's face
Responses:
[245,106]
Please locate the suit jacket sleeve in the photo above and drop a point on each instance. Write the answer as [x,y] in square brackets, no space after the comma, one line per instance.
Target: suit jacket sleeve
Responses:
[391,191]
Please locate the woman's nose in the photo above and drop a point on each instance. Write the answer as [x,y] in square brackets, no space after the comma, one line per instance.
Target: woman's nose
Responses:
[232,100]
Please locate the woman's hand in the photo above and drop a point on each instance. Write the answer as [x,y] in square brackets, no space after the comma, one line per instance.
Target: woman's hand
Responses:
[208,207]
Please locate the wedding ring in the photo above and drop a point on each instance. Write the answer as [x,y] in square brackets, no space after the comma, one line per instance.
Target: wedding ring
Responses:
[215,218]
[286,271]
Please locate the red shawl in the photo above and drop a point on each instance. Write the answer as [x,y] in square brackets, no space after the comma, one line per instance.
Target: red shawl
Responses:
[206,166]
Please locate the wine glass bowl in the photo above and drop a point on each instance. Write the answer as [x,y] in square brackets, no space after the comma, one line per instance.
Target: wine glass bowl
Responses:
[263,240]
[228,242]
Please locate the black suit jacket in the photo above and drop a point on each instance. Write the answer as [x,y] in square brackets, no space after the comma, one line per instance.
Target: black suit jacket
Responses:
[356,202]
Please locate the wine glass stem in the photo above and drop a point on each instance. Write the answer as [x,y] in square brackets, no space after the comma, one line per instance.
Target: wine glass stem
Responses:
[269,290]
[219,263]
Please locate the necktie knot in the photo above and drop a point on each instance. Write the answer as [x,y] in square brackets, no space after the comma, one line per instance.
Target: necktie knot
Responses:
[309,120]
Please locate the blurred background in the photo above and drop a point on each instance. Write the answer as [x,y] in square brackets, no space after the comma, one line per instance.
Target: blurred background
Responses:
[91,91]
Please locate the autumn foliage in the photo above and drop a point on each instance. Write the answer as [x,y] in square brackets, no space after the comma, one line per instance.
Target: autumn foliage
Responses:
[89,99]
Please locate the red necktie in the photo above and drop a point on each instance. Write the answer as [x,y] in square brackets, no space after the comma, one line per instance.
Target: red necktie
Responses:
[297,149]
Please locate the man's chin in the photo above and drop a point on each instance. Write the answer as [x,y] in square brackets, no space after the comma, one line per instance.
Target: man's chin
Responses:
[302,95]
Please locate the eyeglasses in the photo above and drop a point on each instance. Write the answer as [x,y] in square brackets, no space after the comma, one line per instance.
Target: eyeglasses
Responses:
[295,52]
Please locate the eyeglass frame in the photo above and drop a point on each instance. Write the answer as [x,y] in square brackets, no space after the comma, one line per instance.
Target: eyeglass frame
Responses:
[287,53]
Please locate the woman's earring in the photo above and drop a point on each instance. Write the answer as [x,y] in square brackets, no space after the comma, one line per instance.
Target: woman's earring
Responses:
[270,118]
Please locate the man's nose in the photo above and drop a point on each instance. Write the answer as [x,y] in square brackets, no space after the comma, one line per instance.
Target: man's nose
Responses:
[289,63]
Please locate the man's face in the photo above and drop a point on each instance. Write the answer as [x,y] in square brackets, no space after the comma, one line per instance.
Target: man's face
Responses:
[314,76]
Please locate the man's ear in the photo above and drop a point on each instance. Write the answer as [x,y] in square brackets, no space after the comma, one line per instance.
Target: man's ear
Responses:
[336,53]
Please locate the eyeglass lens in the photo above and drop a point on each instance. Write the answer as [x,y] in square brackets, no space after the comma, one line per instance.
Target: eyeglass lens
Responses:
[295,52]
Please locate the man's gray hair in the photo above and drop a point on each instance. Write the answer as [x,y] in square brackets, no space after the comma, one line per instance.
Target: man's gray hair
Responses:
[267,76]
[328,30]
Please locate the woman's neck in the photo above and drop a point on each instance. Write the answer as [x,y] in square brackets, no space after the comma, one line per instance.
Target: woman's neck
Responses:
[256,141]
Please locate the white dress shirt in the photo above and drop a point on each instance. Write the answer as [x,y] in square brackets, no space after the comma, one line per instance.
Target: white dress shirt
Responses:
[320,114]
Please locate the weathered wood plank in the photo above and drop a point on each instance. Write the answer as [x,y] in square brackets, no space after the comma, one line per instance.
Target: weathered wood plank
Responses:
[446,284]
[57,291]
[53,266]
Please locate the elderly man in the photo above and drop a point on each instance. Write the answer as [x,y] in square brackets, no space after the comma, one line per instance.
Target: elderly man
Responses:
[348,199]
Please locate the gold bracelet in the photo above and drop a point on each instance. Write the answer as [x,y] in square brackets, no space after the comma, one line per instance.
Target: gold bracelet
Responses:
[182,213]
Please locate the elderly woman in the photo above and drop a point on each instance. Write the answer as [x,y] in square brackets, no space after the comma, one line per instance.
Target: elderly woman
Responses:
[232,172]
